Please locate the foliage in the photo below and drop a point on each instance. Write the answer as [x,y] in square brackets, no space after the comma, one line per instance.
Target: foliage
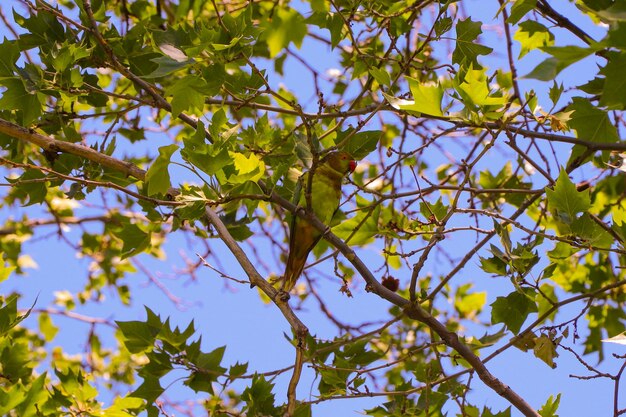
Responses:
[487,212]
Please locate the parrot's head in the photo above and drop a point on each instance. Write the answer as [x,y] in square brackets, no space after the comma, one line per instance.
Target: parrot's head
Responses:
[340,161]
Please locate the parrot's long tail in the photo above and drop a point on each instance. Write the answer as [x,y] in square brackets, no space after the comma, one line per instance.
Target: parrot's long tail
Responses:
[302,240]
[295,265]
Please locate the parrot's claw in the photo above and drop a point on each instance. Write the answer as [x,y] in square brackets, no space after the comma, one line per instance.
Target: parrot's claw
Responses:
[283,295]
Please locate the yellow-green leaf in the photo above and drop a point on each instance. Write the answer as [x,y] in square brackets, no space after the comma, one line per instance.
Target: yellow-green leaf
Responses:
[566,199]
[158,176]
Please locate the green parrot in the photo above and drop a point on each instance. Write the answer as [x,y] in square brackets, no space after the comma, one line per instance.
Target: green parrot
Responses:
[325,198]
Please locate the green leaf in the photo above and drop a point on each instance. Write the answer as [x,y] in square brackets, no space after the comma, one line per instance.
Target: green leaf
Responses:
[149,390]
[546,70]
[8,315]
[134,135]
[46,327]
[16,97]
[42,28]
[333,381]
[246,168]
[208,369]
[357,354]
[494,265]
[166,66]
[174,340]
[360,144]
[361,228]
[439,210]
[5,271]
[475,89]
[237,370]
[286,26]
[546,298]
[426,98]
[66,57]
[620,229]
[9,53]
[122,405]
[139,336]
[545,350]
[561,252]
[555,92]
[488,180]
[158,176]
[512,310]
[36,395]
[30,185]
[571,53]
[160,364]
[224,46]
[562,57]
[520,9]
[431,400]
[211,361]
[610,12]
[467,49]
[240,231]
[551,406]
[187,93]
[245,164]
[617,35]
[591,232]
[380,75]
[259,398]
[219,123]
[335,27]
[303,410]
[320,6]
[470,304]
[11,396]
[134,239]
[207,157]
[200,381]
[591,124]
[566,200]
[15,360]
[614,91]
[532,35]
[443,25]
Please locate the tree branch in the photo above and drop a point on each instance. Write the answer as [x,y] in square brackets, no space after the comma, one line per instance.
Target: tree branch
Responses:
[373,285]
[412,310]
[54,145]
[256,279]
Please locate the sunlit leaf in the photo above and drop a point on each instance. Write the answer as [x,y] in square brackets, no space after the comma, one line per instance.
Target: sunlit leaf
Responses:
[286,26]
[158,176]
[512,310]
[566,199]
[467,49]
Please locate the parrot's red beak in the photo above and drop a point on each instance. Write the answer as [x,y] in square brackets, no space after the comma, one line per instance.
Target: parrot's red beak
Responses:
[352,165]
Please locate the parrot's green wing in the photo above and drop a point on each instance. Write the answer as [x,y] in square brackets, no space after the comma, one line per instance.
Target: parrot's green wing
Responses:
[298,189]
[325,197]
[298,193]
